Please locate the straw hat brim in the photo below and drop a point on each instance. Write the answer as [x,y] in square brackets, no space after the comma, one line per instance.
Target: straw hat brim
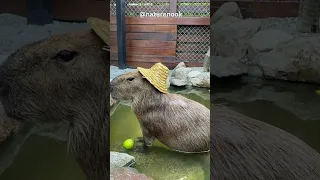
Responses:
[101,28]
[157,76]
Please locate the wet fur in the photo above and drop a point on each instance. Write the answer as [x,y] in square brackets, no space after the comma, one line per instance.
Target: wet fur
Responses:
[37,86]
[179,123]
[247,149]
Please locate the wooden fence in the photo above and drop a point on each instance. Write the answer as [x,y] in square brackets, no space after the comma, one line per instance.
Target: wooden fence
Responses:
[263,8]
[156,39]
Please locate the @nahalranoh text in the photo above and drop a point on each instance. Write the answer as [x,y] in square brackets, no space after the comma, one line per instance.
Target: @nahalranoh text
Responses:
[154,14]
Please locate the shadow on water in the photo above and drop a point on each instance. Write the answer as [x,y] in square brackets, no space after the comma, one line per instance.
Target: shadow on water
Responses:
[161,162]
[28,156]
[293,107]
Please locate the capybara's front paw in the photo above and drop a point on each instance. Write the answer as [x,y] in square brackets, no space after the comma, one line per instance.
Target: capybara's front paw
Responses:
[139,140]
[142,148]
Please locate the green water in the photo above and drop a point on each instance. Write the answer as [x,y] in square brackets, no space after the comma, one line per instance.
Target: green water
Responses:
[161,162]
[42,158]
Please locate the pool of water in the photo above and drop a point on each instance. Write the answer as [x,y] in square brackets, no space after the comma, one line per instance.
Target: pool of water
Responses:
[42,158]
[161,162]
[293,107]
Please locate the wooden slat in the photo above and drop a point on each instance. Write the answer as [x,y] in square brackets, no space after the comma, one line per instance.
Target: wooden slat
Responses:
[147,36]
[173,6]
[189,56]
[165,20]
[189,38]
[147,28]
[193,9]
[145,58]
[193,47]
[146,51]
[171,66]
[146,43]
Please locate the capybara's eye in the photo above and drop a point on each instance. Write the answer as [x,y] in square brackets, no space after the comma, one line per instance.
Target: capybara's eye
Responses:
[66,55]
[130,79]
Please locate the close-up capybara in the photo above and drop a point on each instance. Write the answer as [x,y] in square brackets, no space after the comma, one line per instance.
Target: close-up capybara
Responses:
[64,78]
[247,149]
[178,122]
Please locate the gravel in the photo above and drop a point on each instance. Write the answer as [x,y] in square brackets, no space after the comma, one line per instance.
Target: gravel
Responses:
[288,25]
[15,33]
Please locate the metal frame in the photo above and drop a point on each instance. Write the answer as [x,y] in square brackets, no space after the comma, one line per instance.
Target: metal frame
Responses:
[121,33]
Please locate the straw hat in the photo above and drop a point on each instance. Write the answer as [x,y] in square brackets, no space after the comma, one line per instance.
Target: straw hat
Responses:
[102,29]
[157,75]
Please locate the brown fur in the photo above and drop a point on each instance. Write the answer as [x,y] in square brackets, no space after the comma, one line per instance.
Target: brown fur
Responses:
[248,149]
[180,123]
[36,85]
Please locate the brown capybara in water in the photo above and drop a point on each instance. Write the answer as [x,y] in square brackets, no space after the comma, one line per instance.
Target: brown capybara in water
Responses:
[64,78]
[179,123]
[247,149]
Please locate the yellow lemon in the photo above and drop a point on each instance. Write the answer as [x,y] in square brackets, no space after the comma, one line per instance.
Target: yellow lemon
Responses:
[128,144]
[318,92]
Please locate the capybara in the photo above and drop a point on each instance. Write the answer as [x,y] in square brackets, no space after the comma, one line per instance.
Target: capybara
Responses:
[64,78]
[247,149]
[178,122]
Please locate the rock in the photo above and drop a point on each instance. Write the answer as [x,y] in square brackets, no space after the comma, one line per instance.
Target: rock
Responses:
[178,82]
[179,76]
[193,74]
[265,41]
[226,9]
[181,64]
[206,61]
[120,160]
[298,60]
[202,80]
[275,65]
[112,101]
[228,66]
[229,45]
[230,35]
[254,71]
[126,173]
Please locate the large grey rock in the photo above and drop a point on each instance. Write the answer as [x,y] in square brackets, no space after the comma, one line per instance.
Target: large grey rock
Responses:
[120,160]
[179,76]
[226,9]
[201,80]
[127,173]
[227,66]
[230,35]
[265,41]
[298,60]
[229,46]
[206,61]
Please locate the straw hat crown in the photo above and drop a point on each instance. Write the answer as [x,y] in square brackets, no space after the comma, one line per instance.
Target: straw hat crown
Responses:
[157,75]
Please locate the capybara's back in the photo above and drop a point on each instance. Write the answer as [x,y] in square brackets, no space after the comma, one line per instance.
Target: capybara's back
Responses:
[248,149]
[178,122]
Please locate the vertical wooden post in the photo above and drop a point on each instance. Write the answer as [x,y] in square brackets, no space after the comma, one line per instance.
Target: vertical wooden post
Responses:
[173,6]
[121,33]
[39,12]
[173,9]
